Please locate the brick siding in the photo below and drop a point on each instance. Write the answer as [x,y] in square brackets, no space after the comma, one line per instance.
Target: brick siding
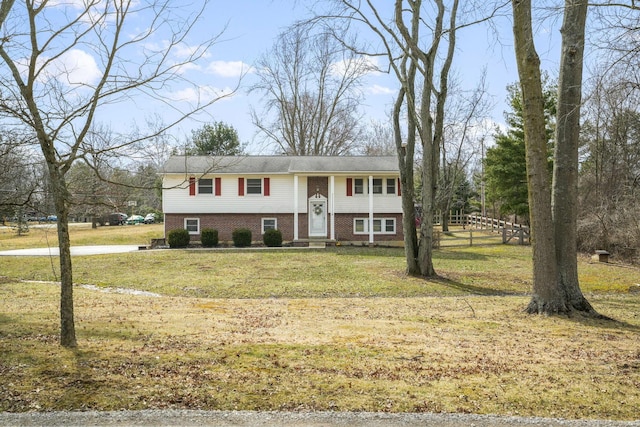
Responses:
[225,224]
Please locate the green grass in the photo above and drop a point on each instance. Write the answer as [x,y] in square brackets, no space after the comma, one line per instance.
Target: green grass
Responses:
[337,272]
[341,329]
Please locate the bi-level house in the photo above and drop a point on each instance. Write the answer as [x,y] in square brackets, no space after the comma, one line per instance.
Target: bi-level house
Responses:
[332,199]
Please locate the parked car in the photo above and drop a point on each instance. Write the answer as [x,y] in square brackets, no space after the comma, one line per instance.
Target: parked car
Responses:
[150,218]
[135,219]
[117,218]
[52,218]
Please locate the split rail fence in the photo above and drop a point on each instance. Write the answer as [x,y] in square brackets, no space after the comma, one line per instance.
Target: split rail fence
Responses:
[473,229]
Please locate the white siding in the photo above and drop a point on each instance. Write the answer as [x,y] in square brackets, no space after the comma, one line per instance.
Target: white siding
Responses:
[359,203]
[280,200]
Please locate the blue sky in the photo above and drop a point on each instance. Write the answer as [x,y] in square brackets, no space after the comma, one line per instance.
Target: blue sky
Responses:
[251,29]
[253,26]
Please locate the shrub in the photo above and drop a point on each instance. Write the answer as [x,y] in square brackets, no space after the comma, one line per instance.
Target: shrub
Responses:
[241,237]
[178,238]
[209,237]
[272,237]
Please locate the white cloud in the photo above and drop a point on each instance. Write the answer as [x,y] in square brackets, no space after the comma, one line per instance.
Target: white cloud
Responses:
[380,90]
[81,67]
[75,4]
[229,68]
[185,67]
[184,51]
[200,95]
[74,68]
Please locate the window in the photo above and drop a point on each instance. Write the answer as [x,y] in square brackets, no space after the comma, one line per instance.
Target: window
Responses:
[380,226]
[391,186]
[358,186]
[390,226]
[254,186]
[377,185]
[192,225]
[205,186]
[269,223]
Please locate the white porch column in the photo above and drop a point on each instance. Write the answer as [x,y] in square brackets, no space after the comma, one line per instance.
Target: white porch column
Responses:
[370,188]
[332,213]
[295,207]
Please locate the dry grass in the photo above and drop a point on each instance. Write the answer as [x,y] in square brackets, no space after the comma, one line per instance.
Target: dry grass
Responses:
[473,354]
[45,235]
[327,330]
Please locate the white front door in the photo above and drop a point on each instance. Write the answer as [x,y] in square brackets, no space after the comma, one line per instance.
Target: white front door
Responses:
[317,217]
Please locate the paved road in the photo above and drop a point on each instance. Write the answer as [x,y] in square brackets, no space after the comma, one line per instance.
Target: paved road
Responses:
[75,250]
[285,419]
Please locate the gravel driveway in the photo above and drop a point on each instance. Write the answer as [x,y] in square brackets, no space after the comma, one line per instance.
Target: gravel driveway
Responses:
[285,419]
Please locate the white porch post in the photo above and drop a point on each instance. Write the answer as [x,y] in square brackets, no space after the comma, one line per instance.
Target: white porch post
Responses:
[295,207]
[332,213]
[370,188]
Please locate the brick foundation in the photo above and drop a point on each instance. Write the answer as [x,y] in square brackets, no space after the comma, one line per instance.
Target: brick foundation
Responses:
[225,224]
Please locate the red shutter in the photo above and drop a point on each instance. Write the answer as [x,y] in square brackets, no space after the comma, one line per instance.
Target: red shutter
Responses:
[399,188]
[192,186]
[218,187]
[240,186]
[349,187]
[267,184]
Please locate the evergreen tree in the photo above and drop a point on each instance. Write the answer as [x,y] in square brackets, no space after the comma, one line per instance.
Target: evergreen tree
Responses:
[505,164]
[215,139]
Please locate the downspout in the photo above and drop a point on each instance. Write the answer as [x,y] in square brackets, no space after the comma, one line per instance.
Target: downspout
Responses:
[332,213]
[295,208]
[370,188]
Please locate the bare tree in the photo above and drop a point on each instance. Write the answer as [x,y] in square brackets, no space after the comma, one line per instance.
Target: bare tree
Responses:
[417,43]
[565,165]
[20,170]
[464,131]
[378,139]
[546,293]
[48,94]
[553,219]
[310,84]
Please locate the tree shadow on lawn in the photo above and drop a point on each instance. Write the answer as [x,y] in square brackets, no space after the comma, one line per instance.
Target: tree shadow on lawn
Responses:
[601,321]
[459,255]
[472,289]
[378,251]
[398,252]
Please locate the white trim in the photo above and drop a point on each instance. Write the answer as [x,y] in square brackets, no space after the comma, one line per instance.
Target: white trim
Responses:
[197,225]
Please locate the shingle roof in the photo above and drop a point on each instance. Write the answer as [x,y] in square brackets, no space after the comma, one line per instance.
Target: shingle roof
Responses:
[281,164]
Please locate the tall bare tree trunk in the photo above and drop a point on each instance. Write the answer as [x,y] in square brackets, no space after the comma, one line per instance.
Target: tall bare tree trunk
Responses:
[61,202]
[546,296]
[405,153]
[565,167]
[67,324]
